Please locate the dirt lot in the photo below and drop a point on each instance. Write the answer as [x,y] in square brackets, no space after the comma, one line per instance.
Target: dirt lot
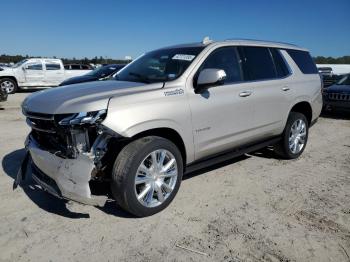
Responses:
[255,208]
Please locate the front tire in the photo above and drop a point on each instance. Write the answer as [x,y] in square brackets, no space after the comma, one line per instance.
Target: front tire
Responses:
[294,137]
[9,85]
[146,175]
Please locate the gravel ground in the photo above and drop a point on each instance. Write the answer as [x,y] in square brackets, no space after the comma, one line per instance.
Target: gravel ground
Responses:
[254,208]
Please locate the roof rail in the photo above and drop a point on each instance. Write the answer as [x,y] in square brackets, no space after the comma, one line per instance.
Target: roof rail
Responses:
[255,40]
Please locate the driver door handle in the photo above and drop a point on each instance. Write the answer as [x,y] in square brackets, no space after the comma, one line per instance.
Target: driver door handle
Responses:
[245,93]
[285,88]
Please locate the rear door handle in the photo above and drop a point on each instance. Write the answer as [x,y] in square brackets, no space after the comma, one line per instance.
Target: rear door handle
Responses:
[245,93]
[285,88]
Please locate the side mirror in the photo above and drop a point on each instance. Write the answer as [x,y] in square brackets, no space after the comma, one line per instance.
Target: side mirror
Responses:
[210,77]
[24,68]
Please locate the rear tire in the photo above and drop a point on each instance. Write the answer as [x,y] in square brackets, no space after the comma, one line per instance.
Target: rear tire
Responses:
[140,183]
[9,85]
[294,137]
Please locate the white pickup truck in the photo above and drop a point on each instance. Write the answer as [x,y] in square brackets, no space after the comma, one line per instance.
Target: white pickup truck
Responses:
[36,73]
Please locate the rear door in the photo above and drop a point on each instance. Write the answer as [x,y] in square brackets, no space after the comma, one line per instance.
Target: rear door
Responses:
[267,77]
[34,73]
[54,73]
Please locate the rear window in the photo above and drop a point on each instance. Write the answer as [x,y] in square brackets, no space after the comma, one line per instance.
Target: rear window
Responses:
[53,66]
[258,64]
[303,61]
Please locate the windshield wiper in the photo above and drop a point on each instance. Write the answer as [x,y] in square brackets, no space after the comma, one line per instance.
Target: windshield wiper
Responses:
[142,78]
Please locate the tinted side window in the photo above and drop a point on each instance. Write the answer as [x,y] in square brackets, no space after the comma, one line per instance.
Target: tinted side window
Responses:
[85,67]
[258,64]
[226,59]
[35,66]
[281,67]
[75,67]
[303,61]
[53,66]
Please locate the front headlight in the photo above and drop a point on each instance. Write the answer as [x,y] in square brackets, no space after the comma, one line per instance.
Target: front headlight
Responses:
[94,117]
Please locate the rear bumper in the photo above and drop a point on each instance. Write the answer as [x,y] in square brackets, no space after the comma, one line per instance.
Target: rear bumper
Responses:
[64,178]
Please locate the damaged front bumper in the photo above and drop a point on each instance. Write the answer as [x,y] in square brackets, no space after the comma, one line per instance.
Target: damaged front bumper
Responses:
[63,177]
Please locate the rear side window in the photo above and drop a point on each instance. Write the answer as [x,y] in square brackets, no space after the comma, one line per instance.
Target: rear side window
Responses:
[52,66]
[280,65]
[75,67]
[224,58]
[303,61]
[258,64]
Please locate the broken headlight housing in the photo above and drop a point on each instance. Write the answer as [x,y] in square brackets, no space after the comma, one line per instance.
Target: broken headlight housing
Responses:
[90,118]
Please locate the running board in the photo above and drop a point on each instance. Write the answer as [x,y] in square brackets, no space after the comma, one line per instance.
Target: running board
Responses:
[218,158]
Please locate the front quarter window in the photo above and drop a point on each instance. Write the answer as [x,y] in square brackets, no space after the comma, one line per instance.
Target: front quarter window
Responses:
[160,65]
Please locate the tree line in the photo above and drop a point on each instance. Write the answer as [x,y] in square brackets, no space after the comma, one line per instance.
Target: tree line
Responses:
[103,60]
[332,60]
[95,60]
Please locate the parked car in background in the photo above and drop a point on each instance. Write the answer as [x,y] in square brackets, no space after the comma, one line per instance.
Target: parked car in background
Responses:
[337,96]
[3,94]
[36,73]
[171,111]
[101,73]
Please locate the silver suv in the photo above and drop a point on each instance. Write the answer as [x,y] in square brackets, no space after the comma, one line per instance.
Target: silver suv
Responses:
[169,112]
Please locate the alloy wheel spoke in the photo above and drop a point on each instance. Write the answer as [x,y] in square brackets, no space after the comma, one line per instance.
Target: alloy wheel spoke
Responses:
[144,192]
[154,159]
[142,180]
[166,187]
[169,174]
[149,195]
[160,195]
[161,158]
[168,165]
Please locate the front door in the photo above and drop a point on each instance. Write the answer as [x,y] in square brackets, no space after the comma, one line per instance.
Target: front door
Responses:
[222,115]
[34,74]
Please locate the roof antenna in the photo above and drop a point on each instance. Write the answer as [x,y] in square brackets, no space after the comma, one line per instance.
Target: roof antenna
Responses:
[206,40]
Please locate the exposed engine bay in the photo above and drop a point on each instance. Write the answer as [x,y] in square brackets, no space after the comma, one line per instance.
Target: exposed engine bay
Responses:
[69,150]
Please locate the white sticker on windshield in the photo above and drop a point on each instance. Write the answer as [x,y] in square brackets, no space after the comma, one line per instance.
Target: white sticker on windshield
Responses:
[183,57]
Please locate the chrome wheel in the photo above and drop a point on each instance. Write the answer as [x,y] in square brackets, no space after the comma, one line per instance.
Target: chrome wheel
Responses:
[156,178]
[297,136]
[8,86]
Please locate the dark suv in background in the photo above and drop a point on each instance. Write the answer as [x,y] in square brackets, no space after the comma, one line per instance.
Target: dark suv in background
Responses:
[100,73]
[337,96]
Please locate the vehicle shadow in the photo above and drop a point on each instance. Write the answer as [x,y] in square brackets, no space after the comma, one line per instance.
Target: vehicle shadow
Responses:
[336,114]
[11,164]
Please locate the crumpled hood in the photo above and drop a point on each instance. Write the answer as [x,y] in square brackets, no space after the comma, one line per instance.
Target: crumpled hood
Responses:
[84,97]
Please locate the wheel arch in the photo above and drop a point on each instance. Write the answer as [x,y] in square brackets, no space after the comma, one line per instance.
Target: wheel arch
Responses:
[11,77]
[304,108]
[167,133]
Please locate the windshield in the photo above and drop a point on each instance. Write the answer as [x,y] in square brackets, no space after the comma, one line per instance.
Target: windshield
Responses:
[344,81]
[20,63]
[160,65]
[104,71]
